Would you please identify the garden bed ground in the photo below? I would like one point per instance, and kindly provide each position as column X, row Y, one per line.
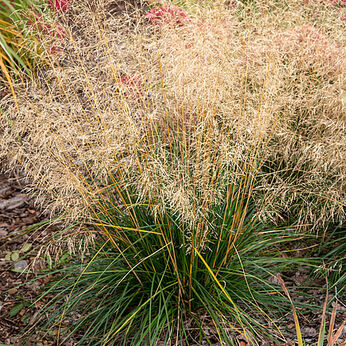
column 18, row 245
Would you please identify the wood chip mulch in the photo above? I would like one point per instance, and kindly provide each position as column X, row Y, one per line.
column 20, row 268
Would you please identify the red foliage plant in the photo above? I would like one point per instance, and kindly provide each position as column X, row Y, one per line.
column 52, row 33
column 167, row 15
column 60, row 5
column 133, row 84
column 47, row 29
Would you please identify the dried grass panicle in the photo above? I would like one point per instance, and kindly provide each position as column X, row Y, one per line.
column 213, row 98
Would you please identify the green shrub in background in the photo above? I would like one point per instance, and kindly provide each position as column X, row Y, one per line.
column 17, row 50
column 23, row 24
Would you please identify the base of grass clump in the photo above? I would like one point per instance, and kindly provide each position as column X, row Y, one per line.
column 149, row 280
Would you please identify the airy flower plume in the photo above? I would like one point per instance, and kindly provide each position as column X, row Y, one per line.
column 209, row 94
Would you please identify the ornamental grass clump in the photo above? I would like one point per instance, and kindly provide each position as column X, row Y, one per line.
column 173, row 144
column 156, row 279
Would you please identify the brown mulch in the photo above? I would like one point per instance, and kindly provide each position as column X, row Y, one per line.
column 20, row 266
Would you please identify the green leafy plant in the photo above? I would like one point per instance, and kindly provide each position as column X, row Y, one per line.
column 16, row 50
column 21, row 24
column 332, row 249
column 154, row 278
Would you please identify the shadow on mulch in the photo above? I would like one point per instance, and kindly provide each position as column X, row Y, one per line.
column 20, row 265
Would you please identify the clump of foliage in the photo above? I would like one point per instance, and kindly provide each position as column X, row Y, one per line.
column 15, row 49
column 18, row 48
column 194, row 146
column 24, row 27
column 154, row 278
